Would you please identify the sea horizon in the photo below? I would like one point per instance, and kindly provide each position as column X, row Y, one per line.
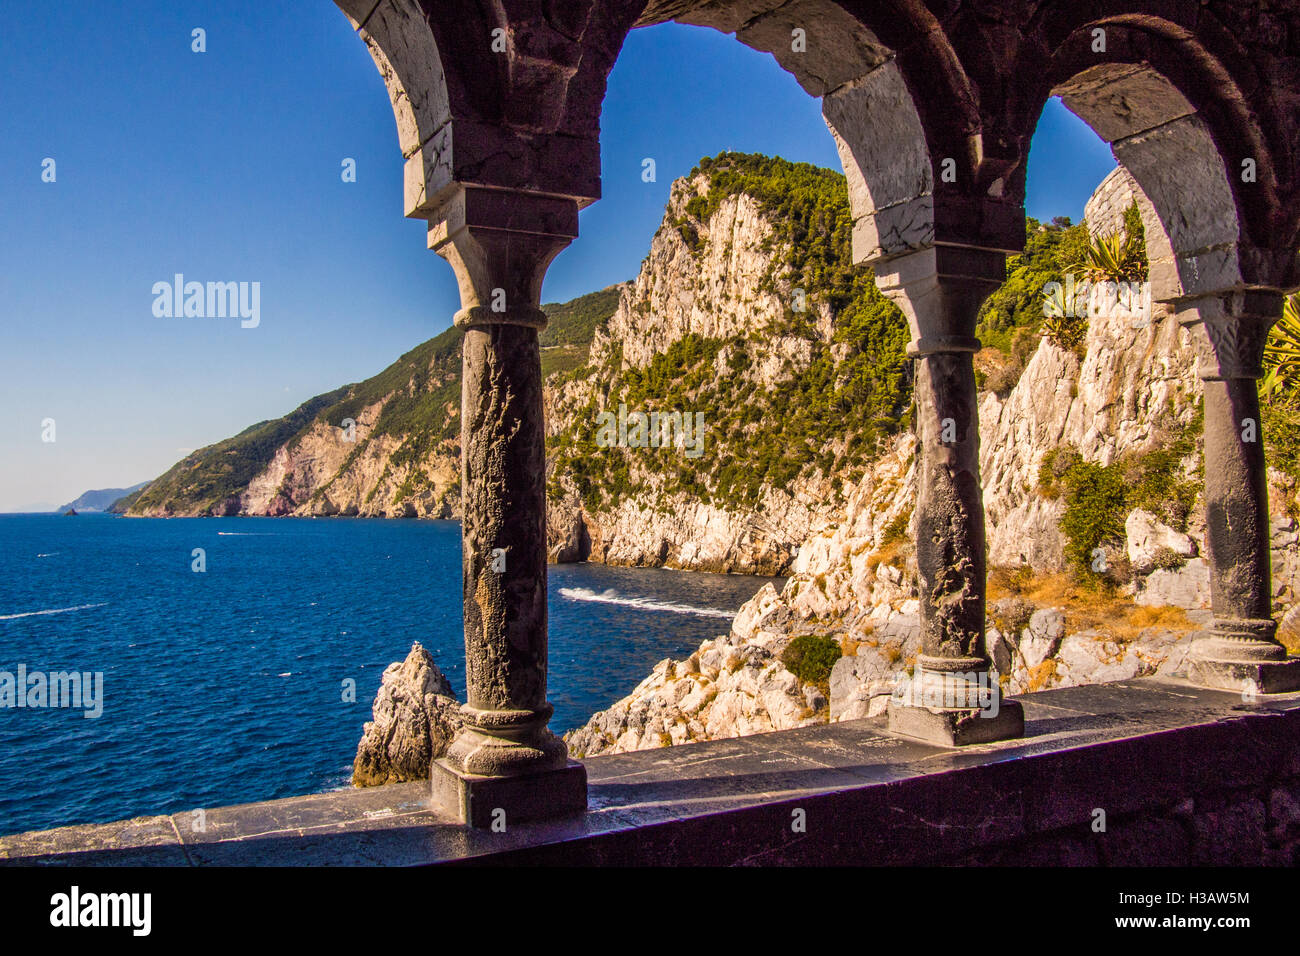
column 225, row 649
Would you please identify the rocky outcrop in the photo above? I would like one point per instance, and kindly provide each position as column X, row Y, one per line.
column 727, row 279
column 416, row 715
column 1045, row 653
column 1150, row 541
column 729, row 687
column 1134, row 385
column 1131, row 389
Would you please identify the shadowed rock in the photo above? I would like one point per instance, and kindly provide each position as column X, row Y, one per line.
column 416, row 716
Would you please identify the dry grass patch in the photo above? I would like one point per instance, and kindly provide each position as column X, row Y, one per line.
column 1041, row 675
column 1140, row 617
column 1086, row 606
column 894, row 553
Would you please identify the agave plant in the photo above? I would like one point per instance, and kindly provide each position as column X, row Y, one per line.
column 1061, row 324
column 1055, row 301
column 1117, row 257
column 1282, row 355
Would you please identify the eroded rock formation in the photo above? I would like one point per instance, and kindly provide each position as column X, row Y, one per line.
column 416, row 715
column 726, row 277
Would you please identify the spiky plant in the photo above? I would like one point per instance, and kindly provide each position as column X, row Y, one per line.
column 1282, row 355
column 1117, row 257
column 1065, row 329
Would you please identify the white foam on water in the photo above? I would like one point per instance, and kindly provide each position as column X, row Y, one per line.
column 610, row 596
column 53, row 610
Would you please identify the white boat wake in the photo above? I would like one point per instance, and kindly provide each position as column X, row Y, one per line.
column 53, row 610
column 611, row 596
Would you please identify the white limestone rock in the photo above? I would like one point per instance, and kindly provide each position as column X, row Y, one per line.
column 861, row 685
column 729, row 687
column 1187, row 587
column 1148, row 537
column 852, row 576
column 734, row 282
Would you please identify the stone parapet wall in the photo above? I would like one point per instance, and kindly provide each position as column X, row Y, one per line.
column 1180, row 775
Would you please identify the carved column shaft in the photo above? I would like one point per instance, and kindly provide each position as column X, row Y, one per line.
column 1242, row 649
column 1236, row 501
column 503, row 468
column 500, row 245
column 949, row 511
column 954, row 698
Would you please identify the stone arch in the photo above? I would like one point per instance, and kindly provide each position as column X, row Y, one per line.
column 867, row 102
column 406, row 55
column 493, row 94
column 1186, row 123
column 1156, row 134
column 1183, row 111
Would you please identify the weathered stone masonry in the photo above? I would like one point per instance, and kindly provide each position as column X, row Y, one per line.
column 932, row 106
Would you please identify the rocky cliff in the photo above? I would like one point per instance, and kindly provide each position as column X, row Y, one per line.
column 416, row 716
column 748, row 319
column 775, row 366
column 854, row 579
column 1090, row 460
column 387, row 447
column 1091, row 455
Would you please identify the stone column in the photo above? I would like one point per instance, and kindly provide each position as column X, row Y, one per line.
column 1241, row 651
column 505, row 765
column 954, row 697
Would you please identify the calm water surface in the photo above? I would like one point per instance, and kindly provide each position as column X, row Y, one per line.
column 227, row 686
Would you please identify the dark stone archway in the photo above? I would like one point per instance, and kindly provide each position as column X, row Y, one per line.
column 498, row 106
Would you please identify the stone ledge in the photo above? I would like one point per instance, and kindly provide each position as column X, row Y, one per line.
column 1142, row 750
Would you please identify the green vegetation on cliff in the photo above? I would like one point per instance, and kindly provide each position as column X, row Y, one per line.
column 1013, row 317
column 203, row 480
column 419, row 396
column 1098, row 498
column 566, row 340
column 811, row 658
column 1280, row 393
column 1051, row 251
column 829, row 413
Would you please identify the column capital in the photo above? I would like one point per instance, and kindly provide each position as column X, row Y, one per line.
column 500, row 243
column 940, row 289
column 1229, row 330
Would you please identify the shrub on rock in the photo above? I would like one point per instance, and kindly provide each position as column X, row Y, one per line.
column 810, row 657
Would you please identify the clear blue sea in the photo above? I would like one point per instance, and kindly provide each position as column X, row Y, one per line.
column 226, row 686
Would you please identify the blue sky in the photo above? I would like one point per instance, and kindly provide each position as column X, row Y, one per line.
column 225, row 165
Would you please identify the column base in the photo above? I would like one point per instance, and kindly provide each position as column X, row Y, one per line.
column 954, row 702
column 474, row 800
column 956, row 727
column 1243, row 655
column 1259, row 677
